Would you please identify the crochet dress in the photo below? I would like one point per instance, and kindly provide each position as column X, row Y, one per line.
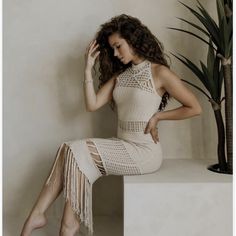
column 130, row 153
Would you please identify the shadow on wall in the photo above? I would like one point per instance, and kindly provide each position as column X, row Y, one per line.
column 70, row 89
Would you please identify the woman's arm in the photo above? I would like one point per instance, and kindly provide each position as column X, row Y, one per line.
column 166, row 80
column 94, row 101
column 171, row 83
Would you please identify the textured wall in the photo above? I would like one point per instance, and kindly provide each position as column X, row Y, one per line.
column 44, row 44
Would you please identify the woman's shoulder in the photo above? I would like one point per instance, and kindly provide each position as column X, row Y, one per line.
column 161, row 72
column 159, row 69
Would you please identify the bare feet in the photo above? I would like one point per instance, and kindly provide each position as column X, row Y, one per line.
column 69, row 230
column 34, row 221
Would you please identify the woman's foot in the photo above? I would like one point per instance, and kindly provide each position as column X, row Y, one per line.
column 69, row 229
column 34, row 221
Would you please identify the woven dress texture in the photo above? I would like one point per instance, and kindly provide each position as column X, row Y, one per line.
column 131, row 152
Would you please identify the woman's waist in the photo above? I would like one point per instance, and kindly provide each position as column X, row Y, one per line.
column 135, row 126
column 136, row 137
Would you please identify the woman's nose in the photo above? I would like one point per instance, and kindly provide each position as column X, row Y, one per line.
column 115, row 53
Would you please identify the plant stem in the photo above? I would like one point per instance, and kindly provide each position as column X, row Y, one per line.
column 221, row 135
column 228, row 114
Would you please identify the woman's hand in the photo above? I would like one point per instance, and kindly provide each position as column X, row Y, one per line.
column 91, row 55
column 152, row 128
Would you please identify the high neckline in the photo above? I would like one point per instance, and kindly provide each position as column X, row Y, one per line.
column 138, row 67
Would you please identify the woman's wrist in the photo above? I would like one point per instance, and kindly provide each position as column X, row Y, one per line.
column 88, row 76
column 87, row 81
column 157, row 116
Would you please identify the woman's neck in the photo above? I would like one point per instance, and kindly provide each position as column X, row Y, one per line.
column 138, row 60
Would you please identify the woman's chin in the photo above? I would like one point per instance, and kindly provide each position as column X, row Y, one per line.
column 124, row 62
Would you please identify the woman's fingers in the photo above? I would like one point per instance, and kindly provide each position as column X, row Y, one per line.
column 91, row 54
column 147, row 129
column 154, row 135
column 93, row 45
column 92, row 50
column 153, row 132
column 90, row 46
column 96, row 55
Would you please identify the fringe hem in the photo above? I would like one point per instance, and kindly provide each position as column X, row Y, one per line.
column 76, row 188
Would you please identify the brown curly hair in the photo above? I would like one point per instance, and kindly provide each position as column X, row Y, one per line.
column 139, row 37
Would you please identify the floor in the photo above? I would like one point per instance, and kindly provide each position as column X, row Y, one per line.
column 103, row 226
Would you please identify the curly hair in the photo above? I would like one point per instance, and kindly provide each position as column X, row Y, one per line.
column 139, row 37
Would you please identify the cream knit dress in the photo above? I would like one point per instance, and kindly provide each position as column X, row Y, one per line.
column 130, row 153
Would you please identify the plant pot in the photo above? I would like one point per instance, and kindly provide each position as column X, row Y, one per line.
column 216, row 168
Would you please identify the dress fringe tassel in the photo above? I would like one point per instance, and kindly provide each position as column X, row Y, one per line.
column 76, row 187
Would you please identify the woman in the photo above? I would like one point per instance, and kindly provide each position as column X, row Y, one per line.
column 135, row 78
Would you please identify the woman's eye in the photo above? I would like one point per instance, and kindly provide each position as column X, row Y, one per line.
column 118, row 46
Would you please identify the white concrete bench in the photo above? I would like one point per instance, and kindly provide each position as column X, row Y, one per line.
column 183, row 198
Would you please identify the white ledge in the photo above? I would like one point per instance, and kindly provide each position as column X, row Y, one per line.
column 182, row 198
column 181, row 171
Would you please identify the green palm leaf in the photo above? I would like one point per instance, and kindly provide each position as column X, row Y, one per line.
column 194, row 69
column 207, row 24
column 216, row 77
column 208, row 17
column 210, row 59
column 188, row 32
column 228, row 51
column 230, row 26
column 229, row 32
column 222, row 35
column 207, row 74
column 220, row 10
column 225, row 28
column 195, row 26
column 195, row 86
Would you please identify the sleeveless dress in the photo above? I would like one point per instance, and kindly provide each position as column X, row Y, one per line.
column 130, row 153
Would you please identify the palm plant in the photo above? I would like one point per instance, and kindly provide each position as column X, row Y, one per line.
column 217, row 71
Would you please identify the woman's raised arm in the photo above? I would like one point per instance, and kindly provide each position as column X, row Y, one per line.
column 94, row 101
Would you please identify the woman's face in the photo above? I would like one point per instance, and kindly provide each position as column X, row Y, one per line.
column 121, row 48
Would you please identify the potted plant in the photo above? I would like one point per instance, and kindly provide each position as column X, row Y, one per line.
column 216, row 72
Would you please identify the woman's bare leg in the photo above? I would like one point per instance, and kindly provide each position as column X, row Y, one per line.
column 96, row 157
column 49, row 193
column 70, row 223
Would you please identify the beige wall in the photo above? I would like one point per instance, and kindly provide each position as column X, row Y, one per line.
column 44, row 43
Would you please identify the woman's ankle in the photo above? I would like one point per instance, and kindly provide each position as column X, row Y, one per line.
column 37, row 211
column 70, row 224
column 69, row 228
